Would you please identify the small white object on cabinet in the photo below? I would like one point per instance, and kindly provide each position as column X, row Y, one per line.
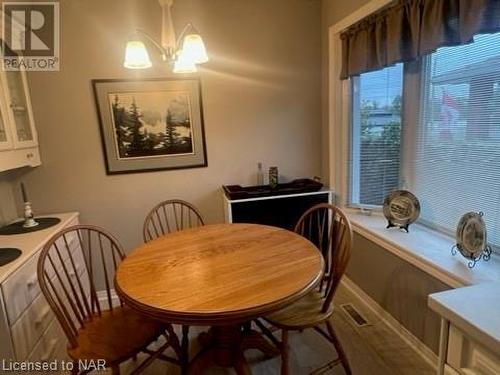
column 18, row 136
column 27, row 323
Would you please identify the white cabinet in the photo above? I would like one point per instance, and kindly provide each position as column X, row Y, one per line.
column 18, row 137
column 15, row 86
column 467, row 356
column 6, row 141
column 28, row 327
column 470, row 329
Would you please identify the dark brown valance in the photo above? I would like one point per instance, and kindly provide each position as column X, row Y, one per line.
column 408, row 29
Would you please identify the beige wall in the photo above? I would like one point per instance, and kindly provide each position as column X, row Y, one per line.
column 8, row 209
column 332, row 11
column 397, row 286
column 261, row 98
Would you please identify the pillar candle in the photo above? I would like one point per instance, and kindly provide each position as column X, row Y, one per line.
column 23, row 191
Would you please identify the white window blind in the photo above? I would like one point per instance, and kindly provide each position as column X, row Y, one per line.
column 457, row 156
column 442, row 142
column 375, row 135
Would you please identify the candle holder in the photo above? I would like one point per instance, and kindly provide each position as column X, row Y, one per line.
column 29, row 217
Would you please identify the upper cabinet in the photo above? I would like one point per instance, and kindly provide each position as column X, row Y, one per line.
column 6, row 142
column 18, row 137
column 19, row 110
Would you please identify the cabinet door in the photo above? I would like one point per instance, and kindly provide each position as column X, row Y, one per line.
column 6, row 142
column 19, row 108
column 469, row 357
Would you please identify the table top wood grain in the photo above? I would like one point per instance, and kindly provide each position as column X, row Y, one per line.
column 217, row 274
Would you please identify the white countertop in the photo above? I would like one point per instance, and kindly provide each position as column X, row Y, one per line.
column 475, row 310
column 30, row 243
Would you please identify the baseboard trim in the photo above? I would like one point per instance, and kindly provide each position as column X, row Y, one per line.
column 418, row 346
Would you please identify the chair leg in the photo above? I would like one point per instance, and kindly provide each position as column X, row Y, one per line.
column 172, row 338
column 247, row 326
column 241, row 365
column 284, row 352
column 185, row 348
column 338, row 348
column 115, row 370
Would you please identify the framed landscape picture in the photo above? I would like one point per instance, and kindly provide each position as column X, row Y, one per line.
column 150, row 124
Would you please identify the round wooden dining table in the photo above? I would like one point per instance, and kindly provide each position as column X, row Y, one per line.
column 222, row 276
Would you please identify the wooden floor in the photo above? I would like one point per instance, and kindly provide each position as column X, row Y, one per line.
column 371, row 350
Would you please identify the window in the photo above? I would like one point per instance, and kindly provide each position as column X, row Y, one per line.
column 376, row 134
column 441, row 141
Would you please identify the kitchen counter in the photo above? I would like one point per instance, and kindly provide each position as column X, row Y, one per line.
column 474, row 309
column 30, row 243
column 470, row 329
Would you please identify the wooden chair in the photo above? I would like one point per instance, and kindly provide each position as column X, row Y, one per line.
column 329, row 229
column 97, row 324
column 171, row 216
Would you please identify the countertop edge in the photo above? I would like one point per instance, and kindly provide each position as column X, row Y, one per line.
column 27, row 252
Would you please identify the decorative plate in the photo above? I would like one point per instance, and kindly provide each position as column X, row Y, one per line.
column 471, row 235
column 401, row 208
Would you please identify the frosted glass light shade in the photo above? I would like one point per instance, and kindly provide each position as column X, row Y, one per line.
column 194, row 48
column 136, row 55
column 184, row 64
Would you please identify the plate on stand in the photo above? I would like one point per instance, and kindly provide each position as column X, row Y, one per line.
column 471, row 240
column 401, row 208
column 471, row 235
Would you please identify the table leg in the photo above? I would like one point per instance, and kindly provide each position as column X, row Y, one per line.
column 443, row 345
column 225, row 345
column 255, row 340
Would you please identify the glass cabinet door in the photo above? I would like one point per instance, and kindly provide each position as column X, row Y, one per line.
column 5, row 135
column 20, row 109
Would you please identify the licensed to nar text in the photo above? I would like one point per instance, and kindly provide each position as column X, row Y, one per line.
column 55, row 365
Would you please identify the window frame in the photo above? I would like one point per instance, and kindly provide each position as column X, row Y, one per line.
column 414, row 94
column 336, row 168
column 339, row 122
column 352, row 164
column 415, row 73
column 336, row 128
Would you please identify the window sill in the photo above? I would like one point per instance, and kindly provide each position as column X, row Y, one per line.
column 426, row 249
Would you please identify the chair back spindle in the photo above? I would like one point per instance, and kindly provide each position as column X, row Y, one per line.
column 71, row 267
column 170, row 216
column 327, row 227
